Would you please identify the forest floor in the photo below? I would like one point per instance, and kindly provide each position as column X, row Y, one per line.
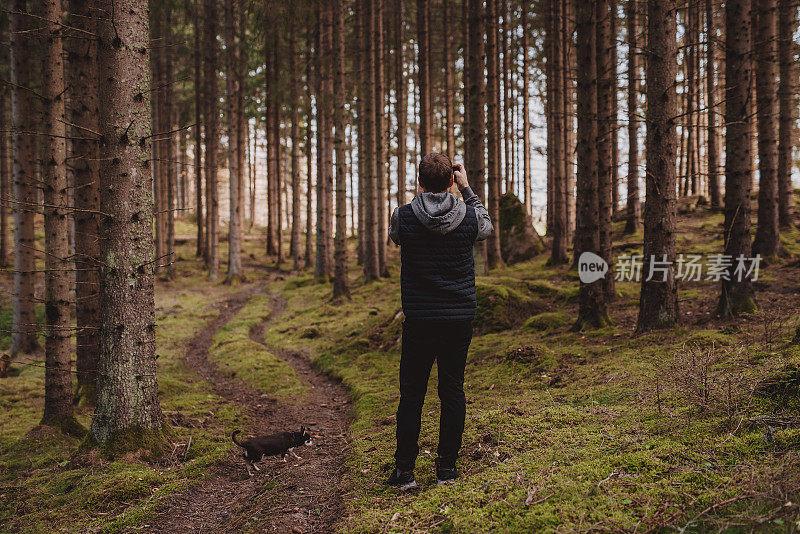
column 692, row 429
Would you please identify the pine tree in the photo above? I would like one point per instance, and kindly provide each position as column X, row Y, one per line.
column 494, row 257
column 555, row 159
column 371, row 265
column 380, row 136
column 424, row 77
column 23, row 335
column 787, row 25
column 294, row 102
column 83, row 75
column 658, row 303
column 400, row 102
column 633, row 206
column 737, row 293
column 340, row 283
column 592, row 306
column 767, row 238
column 234, row 180
column 199, row 98
column 127, row 411
column 606, row 123
column 526, row 112
column 57, row 280
column 212, row 137
column 711, row 98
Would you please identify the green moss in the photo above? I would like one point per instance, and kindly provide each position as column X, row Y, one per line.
column 501, row 307
column 548, row 321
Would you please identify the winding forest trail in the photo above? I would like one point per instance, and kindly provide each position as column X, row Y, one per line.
column 300, row 496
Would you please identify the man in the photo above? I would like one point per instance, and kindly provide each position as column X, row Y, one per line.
column 436, row 233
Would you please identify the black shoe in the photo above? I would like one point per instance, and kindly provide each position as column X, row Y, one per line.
column 402, row 480
column 445, row 474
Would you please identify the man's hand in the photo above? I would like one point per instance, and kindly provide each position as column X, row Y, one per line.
column 460, row 176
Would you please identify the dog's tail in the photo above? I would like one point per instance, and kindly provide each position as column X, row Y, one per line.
column 233, row 437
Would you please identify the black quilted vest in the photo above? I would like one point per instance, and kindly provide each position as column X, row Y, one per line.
column 437, row 274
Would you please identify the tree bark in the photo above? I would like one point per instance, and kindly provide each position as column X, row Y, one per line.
column 787, row 24
column 424, row 76
column 401, row 101
column 212, row 138
column 633, row 207
column 592, row 306
column 341, row 286
column 737, row 296
column 127, row 411
column 381, row 172
column 658, row 303
column 448, row 79
column 23, row 335
column 234, row 274
column 371, row 263
column 294, row 102
column 83, row 76
column 526, row 112
column 168, row 140
column 711, row 92
column 606, row 88
column 555, row 159
column 494, row 258
column 199, row 98
column 57, row 281
column 767, row 239
column 309, row 171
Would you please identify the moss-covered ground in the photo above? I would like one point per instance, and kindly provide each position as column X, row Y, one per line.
column 566, row 432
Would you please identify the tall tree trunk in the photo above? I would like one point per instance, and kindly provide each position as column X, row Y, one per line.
column 5, row 175
column 401, row 102
column 424, row 77
column 449, row 112
column 212, row 138
column 231, row 61
column 340, row 283
column 526, row 113
column 592, row 306
column 508, row 138
column 606, row 88
column 371, row 263
column 127, row 411
column 711, row 91
column 381, row 171
column 169, row 145
column 787, row 24
column 199, row 99
column 633, row 206
column 767, row 240
column 555, row 159
column 476, row 103
column 322, row 269
column 309, row 171
column 737, row 293
column 57, row 281
column 327, row 79
column 613, row 127
column 658, row 303
column 493, row 132
column 567, row 30
column 83, row 76
column 23, row 335
column 294, row 102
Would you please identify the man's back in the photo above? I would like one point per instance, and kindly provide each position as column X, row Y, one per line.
column 437, row 277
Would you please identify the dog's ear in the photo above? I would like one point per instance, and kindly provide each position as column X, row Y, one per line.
column 302, row 429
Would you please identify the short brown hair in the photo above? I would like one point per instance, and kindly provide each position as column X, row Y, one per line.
column 435, row 171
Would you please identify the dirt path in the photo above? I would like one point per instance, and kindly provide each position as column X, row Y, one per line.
column 299, row 496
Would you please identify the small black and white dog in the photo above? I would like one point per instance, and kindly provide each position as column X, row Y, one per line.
column 255, row 449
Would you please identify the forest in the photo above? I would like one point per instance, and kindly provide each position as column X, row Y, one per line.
column 200, row 202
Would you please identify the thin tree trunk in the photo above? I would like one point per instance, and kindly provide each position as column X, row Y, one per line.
column 401, row 102
column 340, row 283
column 613, row 127
column 767, row 239
column 476, row 137
column 380, row 136
column 606, row 87
column 309, row 170
column 737, row 293
column 169, row 145
column 424, row 77
column 199, row 98
column 4, row 176
column 633, row 206
column 494, row 256
column 713, row 146
column 567, row 30
column 234, row 274
column 23, row 335
column 592, row 306
column 294, row 102
column 526, row 113
column 57, row 281
column 448, row 79
column 658, row 303
column 127, row 411
column 555, row 159
column 787, row 24
column 371, row 263
column 212, row 138
column 83, row 71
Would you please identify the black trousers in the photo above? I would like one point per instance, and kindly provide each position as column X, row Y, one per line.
column 423, row 341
